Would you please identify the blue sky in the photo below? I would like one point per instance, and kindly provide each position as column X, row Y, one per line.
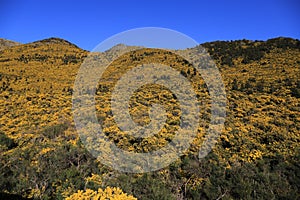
column 87, row 23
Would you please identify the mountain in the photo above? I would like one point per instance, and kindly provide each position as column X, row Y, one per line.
column 256, row 156
column 4, row 44
column 53, row 40
column 52, row 50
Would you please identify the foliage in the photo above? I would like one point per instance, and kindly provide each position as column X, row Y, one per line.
column 6, row 142
column 107, row 193
column 256, row 157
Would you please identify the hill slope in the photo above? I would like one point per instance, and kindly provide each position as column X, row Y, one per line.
column 4, row 44
column 256, row 157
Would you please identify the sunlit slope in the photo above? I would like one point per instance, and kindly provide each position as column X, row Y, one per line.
column 37, row 130
column 37, row 82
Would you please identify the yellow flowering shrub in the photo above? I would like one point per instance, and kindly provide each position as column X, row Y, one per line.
column 109, row 193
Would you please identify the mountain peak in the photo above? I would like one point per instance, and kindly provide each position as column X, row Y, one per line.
column 118, row 47
column 55, row 40
column 121, row 48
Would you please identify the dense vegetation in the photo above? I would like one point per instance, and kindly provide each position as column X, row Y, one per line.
column 257, row 155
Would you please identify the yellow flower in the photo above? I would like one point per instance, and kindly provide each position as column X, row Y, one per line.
column 110, row 193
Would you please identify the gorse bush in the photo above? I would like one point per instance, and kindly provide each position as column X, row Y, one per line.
column 256, row 155
column 107, row 193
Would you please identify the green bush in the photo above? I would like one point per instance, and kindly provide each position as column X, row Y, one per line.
column 54, row 131
column 6, row 142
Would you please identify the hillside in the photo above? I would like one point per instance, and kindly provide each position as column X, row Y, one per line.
column 256, row 156
column 4, row 44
